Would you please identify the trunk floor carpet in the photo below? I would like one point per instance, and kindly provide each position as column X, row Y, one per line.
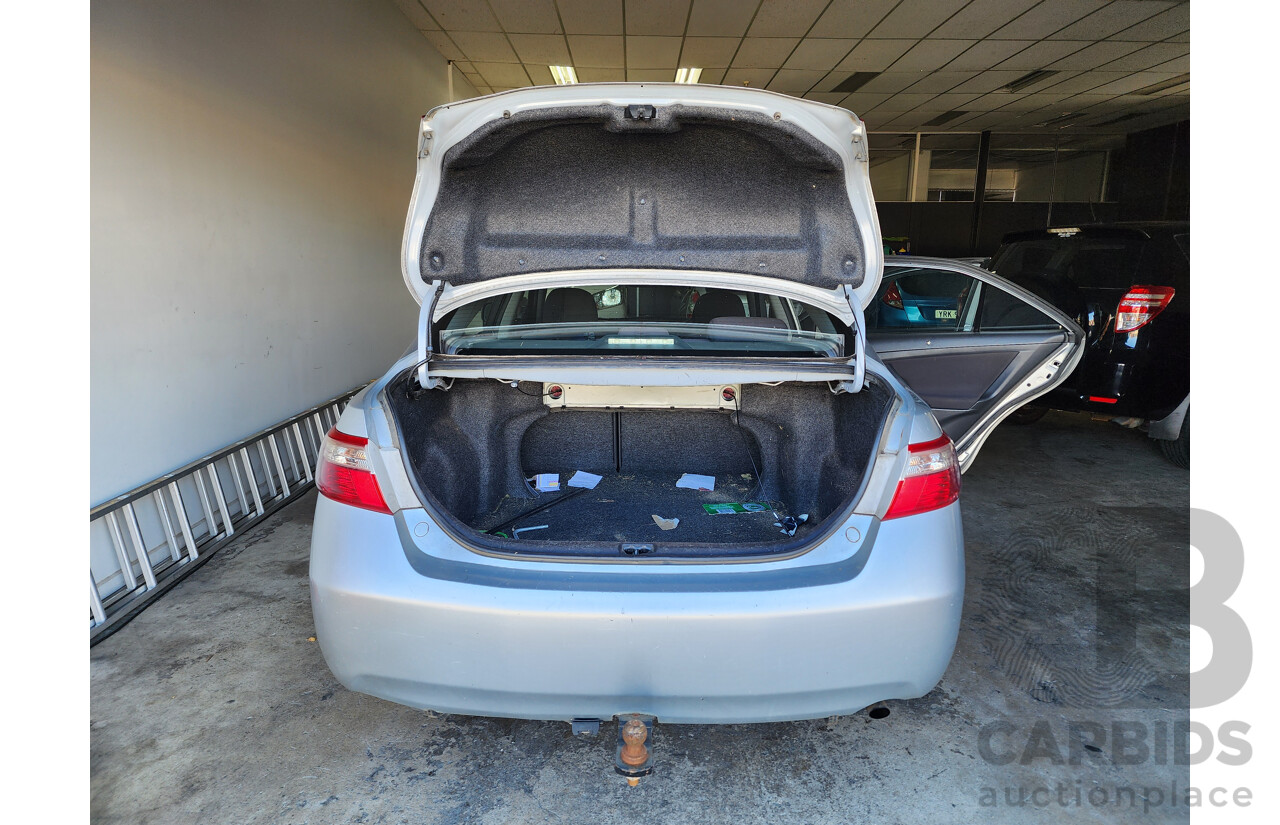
column 620, row 508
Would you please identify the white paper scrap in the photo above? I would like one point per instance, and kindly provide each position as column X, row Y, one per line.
column 665, row 523
column 546, row 482
column 693, row 481
column 584, row 479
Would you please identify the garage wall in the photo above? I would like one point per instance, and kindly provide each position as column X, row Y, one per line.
column 251, row 167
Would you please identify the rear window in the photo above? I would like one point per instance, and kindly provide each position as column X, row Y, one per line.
column 615, row 319
column 1084, row 260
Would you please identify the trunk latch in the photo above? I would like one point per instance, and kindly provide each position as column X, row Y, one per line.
column 641, row 111
column 636, row 549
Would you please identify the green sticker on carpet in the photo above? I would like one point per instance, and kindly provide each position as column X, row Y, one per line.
column 734, row 507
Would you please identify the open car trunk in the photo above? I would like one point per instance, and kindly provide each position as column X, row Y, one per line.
column 797, row 448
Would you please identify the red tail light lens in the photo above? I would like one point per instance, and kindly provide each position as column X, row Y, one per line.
column 344, row 473
column 893, row 297
column 1140, row 304
column 930, row 481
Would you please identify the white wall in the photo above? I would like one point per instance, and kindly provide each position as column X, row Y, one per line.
column 251, row 168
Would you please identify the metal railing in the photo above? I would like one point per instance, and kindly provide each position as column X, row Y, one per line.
column 145, row 541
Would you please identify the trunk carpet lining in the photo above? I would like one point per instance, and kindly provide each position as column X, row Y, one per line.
column 621, row 507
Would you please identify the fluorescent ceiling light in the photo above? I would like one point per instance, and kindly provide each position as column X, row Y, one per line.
column 564, row 75
column 688, row 75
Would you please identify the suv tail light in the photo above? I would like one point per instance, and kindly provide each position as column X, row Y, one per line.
column 344, row 473
column 1140, row 304
column 930, row 481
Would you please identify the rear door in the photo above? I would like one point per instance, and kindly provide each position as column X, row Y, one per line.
column 973, row 346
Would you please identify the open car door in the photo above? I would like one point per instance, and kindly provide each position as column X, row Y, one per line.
column 972, row 345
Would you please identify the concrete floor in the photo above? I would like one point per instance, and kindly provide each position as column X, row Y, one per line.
column 214, row 706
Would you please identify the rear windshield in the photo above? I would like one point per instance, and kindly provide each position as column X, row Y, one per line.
column 612, row 319
column 1086, row 261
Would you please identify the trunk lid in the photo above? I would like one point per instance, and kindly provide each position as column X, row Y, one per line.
column 681, row 179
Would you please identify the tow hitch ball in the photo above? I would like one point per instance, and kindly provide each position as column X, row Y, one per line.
column 634, row 757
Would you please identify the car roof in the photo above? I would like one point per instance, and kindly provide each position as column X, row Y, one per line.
column 1141, row 229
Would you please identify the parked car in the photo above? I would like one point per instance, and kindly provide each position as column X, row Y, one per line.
column 732, row 235
column 1129, row 287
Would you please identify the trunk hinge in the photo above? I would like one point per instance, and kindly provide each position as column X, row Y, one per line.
column 858, row 363
column 424, row 337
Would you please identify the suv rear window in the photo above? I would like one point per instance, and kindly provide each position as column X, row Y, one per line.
column 1084, row 260
column 618, row 319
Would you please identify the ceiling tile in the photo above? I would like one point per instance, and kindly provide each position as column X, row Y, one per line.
column 527, row 16
column 541, row 75
column 1153, row 55
column 928, row 55
column 465, row 66
column 952, row 100
column 463, row 15
column 417, row 14
column 1085, row 82
column 987, row 53
column 874, row 55
column 599, row 75
column 1133, row 82
column 937, row 82
column 1181, row 64
column 503, row 74
column 657, row 17
column 785, row 18
column 916, row 18
column 712, row 75
column 764, row 52
column 485, row 47
column 795, row 80
column 988, row 81
column 645, row 52
column 903, row 102
column 1095, row 55
column 547, row 49
column 995, row 100
column 819, row 53
column 1112, row 18
column 830, row 98
column 720, row 18
column 891, row 81
column 1167, row 24
column 1047, row 18
column 596, row 50
column 708, row 51
column 591, row 16
column 757, row 78
column 444, row 45
column 862, row 101
column 981, row 17
column 651, row 75
column 851, row 18
column 1040, row 55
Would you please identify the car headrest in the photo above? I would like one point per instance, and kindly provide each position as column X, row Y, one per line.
column 569, row 305
column 717, row 303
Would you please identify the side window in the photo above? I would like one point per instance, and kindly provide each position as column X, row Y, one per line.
column 919, row 300
column 1000, row 310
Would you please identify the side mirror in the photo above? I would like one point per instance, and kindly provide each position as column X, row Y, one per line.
column 608, row 298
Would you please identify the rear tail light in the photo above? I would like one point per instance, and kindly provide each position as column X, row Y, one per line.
column 893, row 297
column 930, row 481
column 1140, row 304
column 344, row 473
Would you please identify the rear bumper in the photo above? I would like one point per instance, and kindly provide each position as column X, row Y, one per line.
column 684, row 643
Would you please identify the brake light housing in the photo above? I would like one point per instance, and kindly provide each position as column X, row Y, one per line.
column 892, row 297
column 1140, row 305
column 344, row 473
column 930, row 481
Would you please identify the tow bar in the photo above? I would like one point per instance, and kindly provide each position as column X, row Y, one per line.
column 634, row 757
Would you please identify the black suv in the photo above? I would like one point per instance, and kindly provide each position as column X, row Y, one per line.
column 1129, row 286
